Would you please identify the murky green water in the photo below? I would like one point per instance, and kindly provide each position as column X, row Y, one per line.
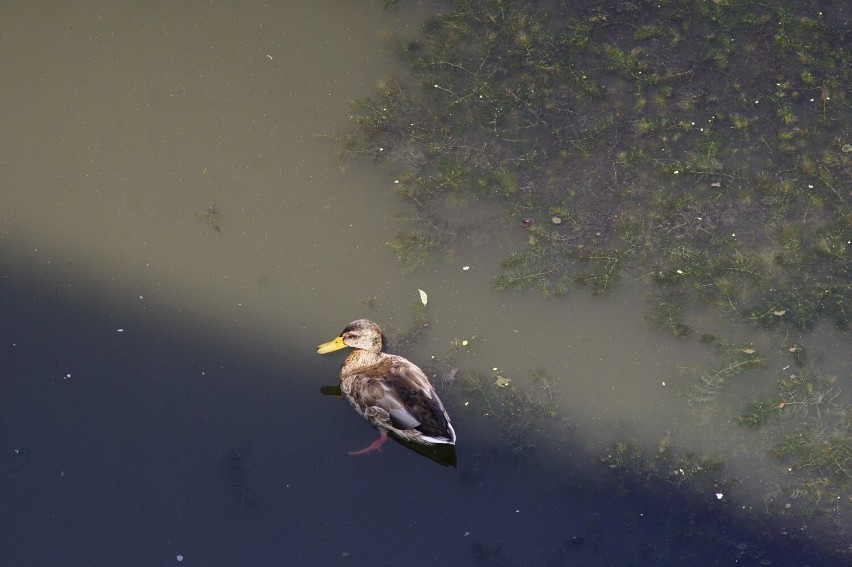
column 126, row 123
column 163, row 167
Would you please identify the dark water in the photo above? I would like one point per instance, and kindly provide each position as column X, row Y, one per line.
column 166, row 440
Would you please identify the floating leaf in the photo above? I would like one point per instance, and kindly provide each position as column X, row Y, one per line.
column 423, row 296
column 501, row 382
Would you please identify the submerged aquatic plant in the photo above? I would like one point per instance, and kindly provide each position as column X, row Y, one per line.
column 518, row 412
column 732, row 360
column 697, row 473
column 819, row 468
column 803, row 394
column 813, row 446
column 652, row 141
column 701, row 148
column 210, row 216
column 405, row 337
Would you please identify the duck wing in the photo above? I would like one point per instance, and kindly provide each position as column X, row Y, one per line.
column 401, row 389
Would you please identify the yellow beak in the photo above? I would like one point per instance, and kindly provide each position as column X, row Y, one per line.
column 331, row 346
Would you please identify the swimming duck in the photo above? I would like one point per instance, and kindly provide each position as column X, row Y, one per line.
column 389, row 391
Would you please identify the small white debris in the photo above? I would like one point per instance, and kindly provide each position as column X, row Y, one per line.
column 119, row 330
column 67, row 376
column 719, row 496
column 663, row 383
column 179, row 557
column 423, row 297
column 466, row 268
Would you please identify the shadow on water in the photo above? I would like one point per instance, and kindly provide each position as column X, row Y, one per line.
column 190, row 423
column 444, row 455
column 135, row 447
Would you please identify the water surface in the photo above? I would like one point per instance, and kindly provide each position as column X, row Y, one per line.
column 176, row 239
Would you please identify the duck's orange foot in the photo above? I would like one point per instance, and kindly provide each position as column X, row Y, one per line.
column 374, row 446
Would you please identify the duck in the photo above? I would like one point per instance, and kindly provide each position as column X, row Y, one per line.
column 389, row 391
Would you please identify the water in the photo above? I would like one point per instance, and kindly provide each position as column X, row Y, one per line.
column 177, row 239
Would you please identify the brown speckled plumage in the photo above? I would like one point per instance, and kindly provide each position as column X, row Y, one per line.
column 389, row 391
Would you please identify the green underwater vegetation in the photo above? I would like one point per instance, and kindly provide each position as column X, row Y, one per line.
column 518, row 413
column 731, row 361
column 700, row 148
column 211, row 217
column 696, row 145
column 813, row 438
column 683, row 469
